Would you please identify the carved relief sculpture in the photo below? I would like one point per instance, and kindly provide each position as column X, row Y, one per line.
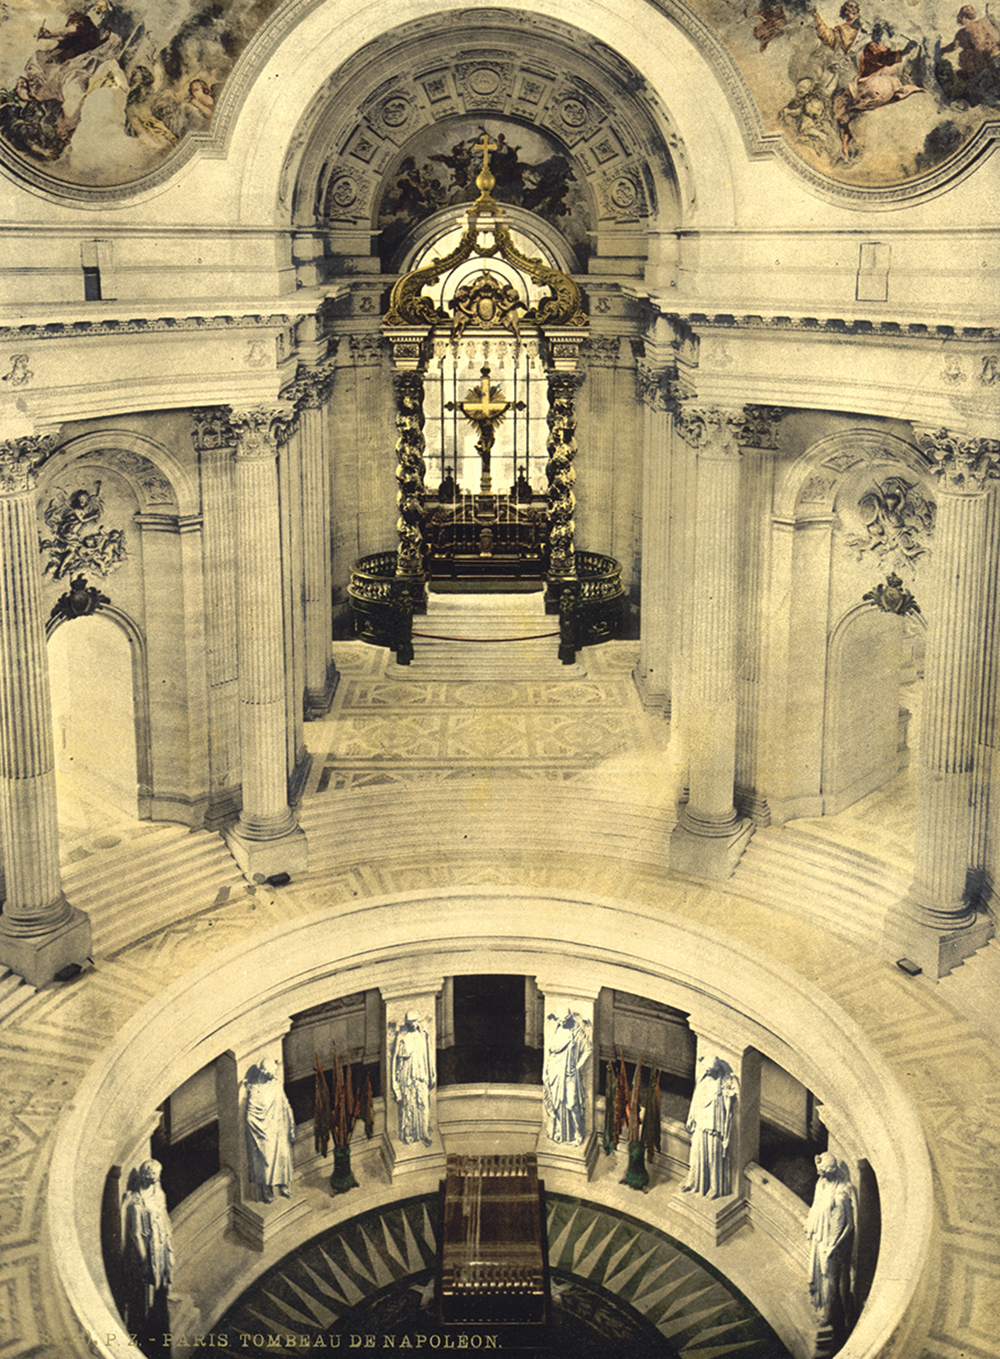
column 79, row 542
column 898, row 520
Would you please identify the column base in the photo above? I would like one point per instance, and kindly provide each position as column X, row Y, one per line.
column 653, row 698
column 39, row 958
column 319, row 701
column 935, row 951
column 707, row 1221
column 259, row 1223
column 408, row 1158
column 578, row 1160
column 703, row 849
column 288, row 853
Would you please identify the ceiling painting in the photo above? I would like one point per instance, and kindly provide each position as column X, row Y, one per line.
column 867, row 93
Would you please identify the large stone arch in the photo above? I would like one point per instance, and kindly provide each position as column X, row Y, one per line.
column 820, row 586
column 156, row 597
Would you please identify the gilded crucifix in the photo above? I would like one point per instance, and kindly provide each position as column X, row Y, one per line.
column 485, row 407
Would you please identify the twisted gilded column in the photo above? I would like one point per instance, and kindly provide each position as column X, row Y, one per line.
column 266, row 839
column 561, row 475
column 410, row 467
column 40, row 933
column 710, row 837
column 940, row 902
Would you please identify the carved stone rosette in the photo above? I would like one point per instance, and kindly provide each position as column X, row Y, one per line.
column 410, row 467
column 561, row 474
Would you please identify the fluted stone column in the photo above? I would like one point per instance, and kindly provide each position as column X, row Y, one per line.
column 266, row 839
column 213, row 441
column 321, row 672
column 940, row 924
column 40, row 932
column 710, row 836
column 652, row 674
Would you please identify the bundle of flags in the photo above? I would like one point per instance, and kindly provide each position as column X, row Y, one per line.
column 626, row 1111
column 335, row 1117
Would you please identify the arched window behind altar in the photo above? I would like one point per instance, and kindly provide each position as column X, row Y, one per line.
column 459, row 356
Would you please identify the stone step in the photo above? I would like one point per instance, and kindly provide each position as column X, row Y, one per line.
column 146, row 887
column 14, row 992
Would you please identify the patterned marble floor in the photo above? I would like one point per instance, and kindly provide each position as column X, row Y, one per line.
column 935, row 1038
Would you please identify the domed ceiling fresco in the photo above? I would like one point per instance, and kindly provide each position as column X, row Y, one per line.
column 867, row 93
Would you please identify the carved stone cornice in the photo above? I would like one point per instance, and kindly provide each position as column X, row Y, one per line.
column 760, row 428
column 712, row 430
column 259, row 430
column 835, row 325
column 212, row 429
column 19, row 459
column 963, row 466
column 59, row 330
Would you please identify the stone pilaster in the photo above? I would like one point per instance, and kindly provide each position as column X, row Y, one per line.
column 595, row 491
column 40, row 932
column 293, row 594
column 411, row 1140
column 568, row 1139
column 652, row 674
column 213, row 441
column 372, row 401
column 759, row 440
column 266, row 839
column 321, row 672
column 938, row 924
column 710, row 836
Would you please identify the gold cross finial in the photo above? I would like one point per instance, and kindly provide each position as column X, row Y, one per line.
column 485, row 181
column 486, row 146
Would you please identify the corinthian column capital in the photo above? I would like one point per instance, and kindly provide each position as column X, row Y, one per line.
column 711, row 430
column 18, row 460
column 259, row 430
column 962, row 465
column 654, row 385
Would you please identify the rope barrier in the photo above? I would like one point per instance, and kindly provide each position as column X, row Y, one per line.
column 437, row 637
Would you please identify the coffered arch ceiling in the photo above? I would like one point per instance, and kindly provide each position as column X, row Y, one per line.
column 599, row 149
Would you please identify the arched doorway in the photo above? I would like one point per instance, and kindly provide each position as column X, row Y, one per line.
column 94, row 717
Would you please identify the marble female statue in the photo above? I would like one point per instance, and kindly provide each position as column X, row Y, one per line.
column 567, row 1049
column 270, row 1128
column 413, row 1078
column 830, row 1228
column 711, row 1121
column 148, row 1251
